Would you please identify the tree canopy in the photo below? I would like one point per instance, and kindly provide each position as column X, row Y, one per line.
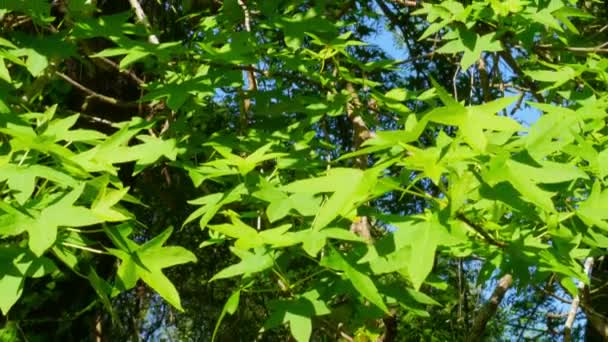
column 387, row 170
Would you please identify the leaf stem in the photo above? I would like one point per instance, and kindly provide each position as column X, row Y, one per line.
column 84, row 248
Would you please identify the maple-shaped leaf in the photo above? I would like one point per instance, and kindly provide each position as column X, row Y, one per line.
column 471, row 44
column 473, row 120
column 147, row 261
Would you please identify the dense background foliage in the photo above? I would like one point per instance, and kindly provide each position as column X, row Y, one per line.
column 264, row 170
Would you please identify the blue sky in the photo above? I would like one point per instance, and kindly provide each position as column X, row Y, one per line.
column 385, row 40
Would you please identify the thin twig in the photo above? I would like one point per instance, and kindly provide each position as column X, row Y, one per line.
column 94, row 94
column 597, row 49
column 480, row 230
column 84, row 248
column 561, row 299
column 127, row 72
column 517, row 104
column 556, row 315
column 455, row 88
column 517, row 70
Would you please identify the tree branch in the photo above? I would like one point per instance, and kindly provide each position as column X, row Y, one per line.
column 361, row 131
column 576, row 301
column 141, row 16
column 517, row 70
column 489, row 309
column 409, row 3
column 361, row 225
column 95, row 95
column 480, row 230
column 252, row 84
column 593, row 49
column 484, row 79
column 127, row 72
column 598, row 321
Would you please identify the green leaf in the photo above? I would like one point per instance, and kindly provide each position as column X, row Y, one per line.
column 300, row 327
column 132, row 56
column 297, row 313
column 43, row 230
column 211, row 204
column 361, row 282
column 103, row 290
column 349, row 186
column 4, row 73
column 229, row 307
column 147, row 262
column 23, row 179
column 423, row 238
column 162, row 285
column 502, row 169
column 473, row 120
column 336, row 179
column 545, row 17
column 36, row 63
column 594, row 210
column 473, row 45
column 15, row 265
column 556, row 77
column 551, row 132
column 258, row 261
column 103, row 206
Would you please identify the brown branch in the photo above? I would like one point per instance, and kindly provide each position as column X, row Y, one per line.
column 550, row 293
column 127, row 72
column 556, row 315
column 593, row 49
column 390, row 328
column 489, row 309
column 517, row 106
column 480, row 230
column 598, row 321
column 517, row 70
column 93, row 94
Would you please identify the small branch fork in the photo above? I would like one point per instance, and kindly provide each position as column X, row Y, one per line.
column 508, row 58
column 481, row 231
column 132, row 75
column 576, row 301
column 93, row 94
